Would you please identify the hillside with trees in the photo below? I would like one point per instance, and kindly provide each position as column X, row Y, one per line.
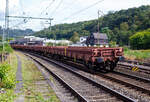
column 119, row 26
column 17, row 32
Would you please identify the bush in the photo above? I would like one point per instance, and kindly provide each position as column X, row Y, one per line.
column 125, row 48
column 8, row 96
column 136, row 54
column 140, row 40
column 7, row 77
column 4, row 68
column 7, row 48
column 112, row 44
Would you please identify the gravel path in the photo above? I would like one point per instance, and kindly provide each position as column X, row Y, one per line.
column 19, row 84
column 57, row 87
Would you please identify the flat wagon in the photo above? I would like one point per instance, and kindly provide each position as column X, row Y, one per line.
column 96, row 58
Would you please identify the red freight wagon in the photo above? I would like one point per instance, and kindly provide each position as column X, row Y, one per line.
column 93, row 57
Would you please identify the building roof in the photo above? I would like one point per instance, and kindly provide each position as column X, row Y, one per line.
column 83, row 36
column 100, row 36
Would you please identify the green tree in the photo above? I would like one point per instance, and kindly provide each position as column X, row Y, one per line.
column 124, row 26
column 112, row 44
column 124, row 33
column 75, row 37
column 109, row 33
column 140, row 40
column 0, row 38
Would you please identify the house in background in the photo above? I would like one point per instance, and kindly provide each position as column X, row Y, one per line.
column 32, row 40
column 83, row 39
column 29, row 40
column 99, row 39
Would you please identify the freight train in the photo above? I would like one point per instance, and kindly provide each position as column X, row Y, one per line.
column 95, row 58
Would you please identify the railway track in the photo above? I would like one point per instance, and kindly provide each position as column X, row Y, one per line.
column 61, row 88
column 129, row 83
column 86, row 89
column 137, row 62
column 142, row 67
column 137, row 84
column 127, row 68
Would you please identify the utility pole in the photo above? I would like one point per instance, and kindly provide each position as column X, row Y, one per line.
column 3, row 37
column 6, row 27
column 98, row 22
column 7, row 19
column 3, row 42
column 50, row 29
column 50, row 24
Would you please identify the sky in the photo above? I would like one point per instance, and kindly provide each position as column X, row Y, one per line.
column 62, row 11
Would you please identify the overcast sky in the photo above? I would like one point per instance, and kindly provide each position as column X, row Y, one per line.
column 62, row 11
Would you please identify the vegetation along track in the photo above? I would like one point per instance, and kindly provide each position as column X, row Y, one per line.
column 87, row 89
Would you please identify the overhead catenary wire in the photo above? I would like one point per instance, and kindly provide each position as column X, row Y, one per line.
column 57, row 7
column 21, row 7
column 25, row 18
column 68, row 7
column 22, row 12
column 20, row 23
column 75, row 13
column 47, row 7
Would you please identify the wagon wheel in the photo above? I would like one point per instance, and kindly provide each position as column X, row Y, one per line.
column 109, row 67
column 90, row 66
column 112, row 67
column 85, row 64
column 99, row 67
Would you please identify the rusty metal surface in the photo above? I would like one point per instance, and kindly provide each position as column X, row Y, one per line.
column 88, row 54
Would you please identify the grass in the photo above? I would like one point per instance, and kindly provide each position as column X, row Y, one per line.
column 32, row 90
column 136, row 54
column 9, row 95
column 7, row 48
